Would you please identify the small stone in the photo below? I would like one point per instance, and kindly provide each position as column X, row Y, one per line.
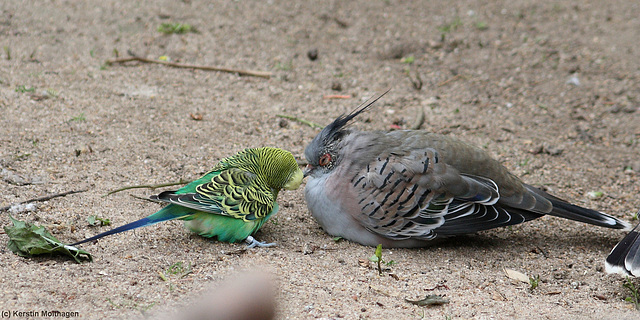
column 593, row 195
column 312, row 54
column 19, row 208
column 537, row 149
column 551, row 150
column 574, row 81
column 336, row 86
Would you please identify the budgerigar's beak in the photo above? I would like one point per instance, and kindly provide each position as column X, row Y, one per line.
column 307, row 170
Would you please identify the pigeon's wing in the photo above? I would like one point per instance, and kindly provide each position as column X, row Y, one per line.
column 416, row 195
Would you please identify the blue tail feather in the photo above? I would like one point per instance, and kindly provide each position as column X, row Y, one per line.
column 169, row 212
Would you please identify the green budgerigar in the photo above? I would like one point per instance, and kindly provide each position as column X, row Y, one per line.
column 230, row 202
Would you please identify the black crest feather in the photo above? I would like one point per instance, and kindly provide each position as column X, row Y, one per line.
column 334, row 129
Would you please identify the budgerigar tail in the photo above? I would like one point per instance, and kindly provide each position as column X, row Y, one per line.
column 169, row 212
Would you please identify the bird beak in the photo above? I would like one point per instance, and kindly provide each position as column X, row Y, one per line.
column 307, row 170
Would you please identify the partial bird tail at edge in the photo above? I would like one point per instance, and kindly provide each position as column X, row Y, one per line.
column 170, row 212
column 624, row 259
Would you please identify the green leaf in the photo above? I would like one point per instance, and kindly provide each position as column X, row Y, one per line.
column 377, row 256
column 595, row 194
column 408, row 60
column 23, row 89
column 94, row 220
column 179, row 28
column 27, row 240
column 481, row 25
column 534, row 282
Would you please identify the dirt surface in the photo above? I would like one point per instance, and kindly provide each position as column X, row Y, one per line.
column 551, row 90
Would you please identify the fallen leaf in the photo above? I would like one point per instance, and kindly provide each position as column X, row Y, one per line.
column 429, row 300
column 497, row 296
column 27, row 240
column 516, row 275
column 395, row 276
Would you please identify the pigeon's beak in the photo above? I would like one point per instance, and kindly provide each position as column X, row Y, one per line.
column 307, row 170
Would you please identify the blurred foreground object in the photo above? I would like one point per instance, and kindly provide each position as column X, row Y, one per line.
column 247, row 296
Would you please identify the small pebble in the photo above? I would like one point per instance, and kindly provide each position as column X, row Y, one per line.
column 312, row 54
column 593, row 195
column 574, row 81
column 19, row 208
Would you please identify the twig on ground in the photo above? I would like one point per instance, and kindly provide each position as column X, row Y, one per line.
column 419, row 119
column 456, row 77
column 336, row 96
column 261, row 74
column 143, row 198
column 148, row 186
column 45, row 198
column 417, row 82
column 309, row 123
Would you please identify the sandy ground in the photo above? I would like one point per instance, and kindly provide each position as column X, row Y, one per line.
column 551, row 90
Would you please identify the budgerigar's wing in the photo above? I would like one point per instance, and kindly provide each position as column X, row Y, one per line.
column 231, row 192
column 415, row 195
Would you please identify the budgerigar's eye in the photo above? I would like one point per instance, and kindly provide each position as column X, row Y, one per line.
column 324, row 160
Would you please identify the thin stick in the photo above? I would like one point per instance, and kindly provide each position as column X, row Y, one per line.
column 417, row 82
column 456, row 77
column 148, row 186
column 336, row 96
column 419, row 119
column 261, row 74
column 143, row 198
column 45, row 198
column 309, row 123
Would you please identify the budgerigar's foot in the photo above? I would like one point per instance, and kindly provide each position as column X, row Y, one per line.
column 252, row 242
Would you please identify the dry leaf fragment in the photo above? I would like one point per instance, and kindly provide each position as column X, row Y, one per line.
column 516, row 275
column 430, row 300
column 383, row 291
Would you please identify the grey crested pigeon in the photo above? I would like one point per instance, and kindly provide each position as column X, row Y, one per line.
column 405, row 188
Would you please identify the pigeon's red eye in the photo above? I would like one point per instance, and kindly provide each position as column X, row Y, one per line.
column 324, row 160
